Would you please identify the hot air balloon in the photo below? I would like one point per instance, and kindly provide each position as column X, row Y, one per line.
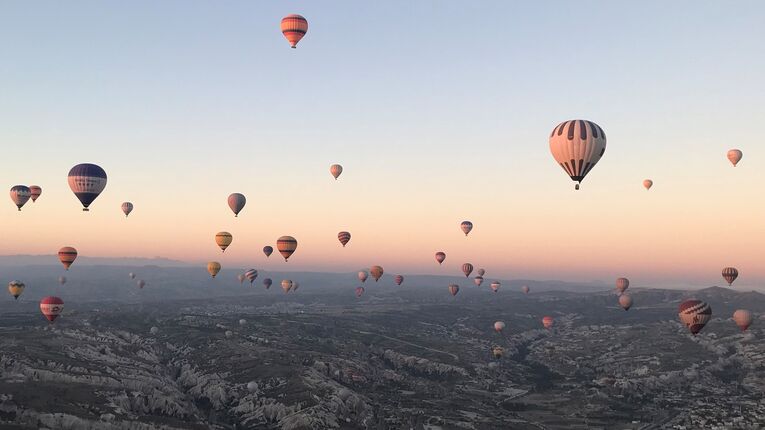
column 51, row 307
column 20, row 194
column 141, row 283
column 359, row 291
column 466, row 226
column 241, row 278
column 154, row 330
column 286, row 285
column 363, row 275
column 440, row 257
column 478, row 280
column 480, row 272
column 131, row 275
column 252, row 386
column 467, row 269
column 286, row 246
column 577, row 146
column 67, row 255
column 622, row 284
column 734, row 155
column 499, row 326
column 497, row 352
column 268, row 250
column 295, row 286
column 742, row 318
column 454, row 289
column 36, row 191
column 87, row 181
column 495, row 286
column 16, row 288
column 242, row 322
column 625, row 301
column 267, row 283
column 223, row 239
column 525, row 289
column 236, row 202
column 648, row 184
column 251, row 275
column 694, row 314
column 376, row 272
column 343, row 237
column 398, row 279
column 213, row 268
column 335, row 170
column 294, row 27
column 547, row 322
column 62, row 280
column 127, row 207
column 730, row 274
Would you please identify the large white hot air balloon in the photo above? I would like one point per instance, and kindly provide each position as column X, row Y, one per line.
column 577, row 145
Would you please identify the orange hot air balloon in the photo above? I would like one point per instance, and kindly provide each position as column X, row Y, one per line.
column 647, row 184
column 625, row 301
column 742, row 318
column 547, row 322
column 223, row 239
column 376, row 272
column 51, row 307
column 67, row 255
column 286, row 246
column 344, row 237
column 335, row 170
column 440, row 257
column 622, row 284
column 734, row 156
column 213, row 268
column 454, row 289
column 294, row 27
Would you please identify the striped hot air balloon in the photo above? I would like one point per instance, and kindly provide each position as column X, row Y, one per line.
column 495, row 286
column 213, row 268
column 478, row 280
column 87, row 181
column 223, row 239
column 236, row 202
column 251, row 275
column 67, row 255
column 467, row 269
column 267, row 283
column 625, row 302
column 51, row 307
column 695, row 314
column 734, row 156
column 398, row 279
column 20, row 194
column 268, row 250
column 359, row 291
column 16, row 288
column 286, row 285
column 466, row 226
column 454, row 289
column 376, row 272
column 647, row 183
column 440, row 257
column 742, row 318
column 622, row 284
column 344, row 237
column 336, row 170
column 127, row 207
column 36, row 191
column 363, row 275
column 577, row 145
column 729, row 274
column 286, row 246
column 547, row 322
column 294, row 27
column 499, row 326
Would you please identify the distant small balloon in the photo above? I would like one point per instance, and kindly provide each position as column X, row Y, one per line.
column 344, row 237
column 295, row 286
column 525, row 289
column 251, row 275
column 67, row 255
column 223, row 239
column 141, row 283
column 648, row 184
column 625, row 302
column 478, row 280
column 467, row 269
column 359, row 291
column 480, row 272
column 236, row 202
column 62, row 280
column 131, row 275
column 242, row 322
column 730, row 274
column 363, row 275
column 622, row 284
column 286, row 246
column 127, row 207
column 497, row 352
column 252, row 386
column 241, row 278
column 267, row 283
column 16, row 288
column 499, row 326
column 398, row 279
column 743, row 319
column 734, row 155
column 268, row 250
column 213, row 268
column 336, row 170
column 454, row 289
column 466, row 226
column 36, row 191
column 286, row 285
column 294, row 27
column 154, row 330
column 20, row 194
column 51, row 307
column 495, row 286
column 376, row 272
column 229, row 334
column 440, row 257
column 547, row 322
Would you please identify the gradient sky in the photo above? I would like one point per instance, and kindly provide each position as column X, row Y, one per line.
column 438, row 110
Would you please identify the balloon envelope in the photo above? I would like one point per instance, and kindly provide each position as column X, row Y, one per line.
column 398, row 279
column 268, row 250
column 127, row 207
column 648, row 184
column 466, row 227
column 734, row 156
column 141, row 283
column 376, row 272
column 51, row 307
column 695, row 314
column 267, row 283
column 236, row 202
column 478, row 280
column 344, row 237
column 730, row 274
column 363, row 275
column 359, row 291
column 223, row 239
column 467, row 269
column 742, row 318
column 87, row 181
column 213, row 268
column 499, row 326
column 495, row 286
column 454, row 289
column 62, row 280
column 622, row 284
column 440, row 257
column 625, row 301
column 20, row 194
column 286, row 246
column 36, row 191
column 547, row 322
column 294, row 27
column 480, row 272
column 251, row 275
column 577, row 145
column 16, row 288
column 67, row 255
column 525, row 289
column 335, row 170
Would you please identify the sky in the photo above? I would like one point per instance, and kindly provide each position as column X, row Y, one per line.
column 439, row 111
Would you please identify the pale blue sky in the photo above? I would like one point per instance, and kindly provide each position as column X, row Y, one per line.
column 439, row 110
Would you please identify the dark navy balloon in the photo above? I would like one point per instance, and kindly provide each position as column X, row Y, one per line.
column 87, row 181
